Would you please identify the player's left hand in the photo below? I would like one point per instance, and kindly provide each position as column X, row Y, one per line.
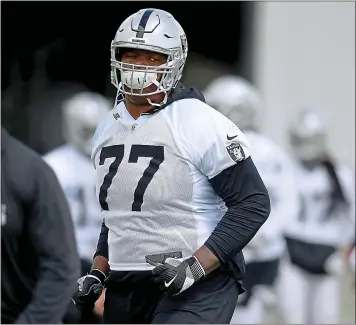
column 176, row 275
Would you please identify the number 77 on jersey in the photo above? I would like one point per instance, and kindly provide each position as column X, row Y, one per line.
column 136, row 151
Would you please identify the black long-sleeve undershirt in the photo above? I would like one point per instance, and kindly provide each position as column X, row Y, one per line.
column 247, row 200
column 102, row 248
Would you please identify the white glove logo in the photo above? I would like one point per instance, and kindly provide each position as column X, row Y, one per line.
column 170, row 282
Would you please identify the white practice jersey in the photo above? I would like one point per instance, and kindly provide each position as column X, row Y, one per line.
column 76, row 175
column 313, row 225
column 276, row 171
column 152, row 178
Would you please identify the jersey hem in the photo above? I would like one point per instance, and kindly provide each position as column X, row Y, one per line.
column 130, row 266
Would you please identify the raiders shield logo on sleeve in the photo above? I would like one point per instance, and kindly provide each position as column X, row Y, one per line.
column 236, row 152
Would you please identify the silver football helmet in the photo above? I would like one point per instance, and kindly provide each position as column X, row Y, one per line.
column 81, row 115
column 152, row 30
column 237, row 99
column 307, row 135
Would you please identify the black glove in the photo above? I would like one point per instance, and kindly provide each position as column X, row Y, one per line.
column 176, row 275
column 89, row 290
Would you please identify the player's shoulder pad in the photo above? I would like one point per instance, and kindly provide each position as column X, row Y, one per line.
column 194, row 115
column 108, row 119
column 202, row 130
column 194, row 107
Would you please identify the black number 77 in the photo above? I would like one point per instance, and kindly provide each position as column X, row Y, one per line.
column 117, row 151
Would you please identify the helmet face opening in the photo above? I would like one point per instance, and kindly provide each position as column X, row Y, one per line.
column 133, row 79
column 151, row 30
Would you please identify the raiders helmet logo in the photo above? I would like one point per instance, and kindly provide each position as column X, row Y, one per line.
column 236, row 152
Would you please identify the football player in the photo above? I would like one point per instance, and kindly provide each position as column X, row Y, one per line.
column 240, row 101
column 316, row 239
column 71, row 162
column 179, row 192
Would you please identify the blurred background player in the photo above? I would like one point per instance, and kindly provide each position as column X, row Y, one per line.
column 237, row 99
column 311, row 276
column 72, row 164
column 39, row 258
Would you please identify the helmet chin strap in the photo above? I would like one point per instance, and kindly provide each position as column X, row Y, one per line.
column 164, row 101
column 159, row 87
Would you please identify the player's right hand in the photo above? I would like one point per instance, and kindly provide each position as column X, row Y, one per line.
column 89, row 290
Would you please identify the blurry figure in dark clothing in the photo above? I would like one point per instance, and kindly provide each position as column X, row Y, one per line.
column 39, row 259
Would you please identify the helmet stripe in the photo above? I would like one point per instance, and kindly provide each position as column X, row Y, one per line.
column 143, row 23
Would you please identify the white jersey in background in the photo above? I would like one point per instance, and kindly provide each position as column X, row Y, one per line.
column 157, row 169
column 76, row 175
column 313, row 225
column 276, row 171
column 310, row 272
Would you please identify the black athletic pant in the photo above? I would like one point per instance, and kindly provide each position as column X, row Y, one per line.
column 133, row 298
